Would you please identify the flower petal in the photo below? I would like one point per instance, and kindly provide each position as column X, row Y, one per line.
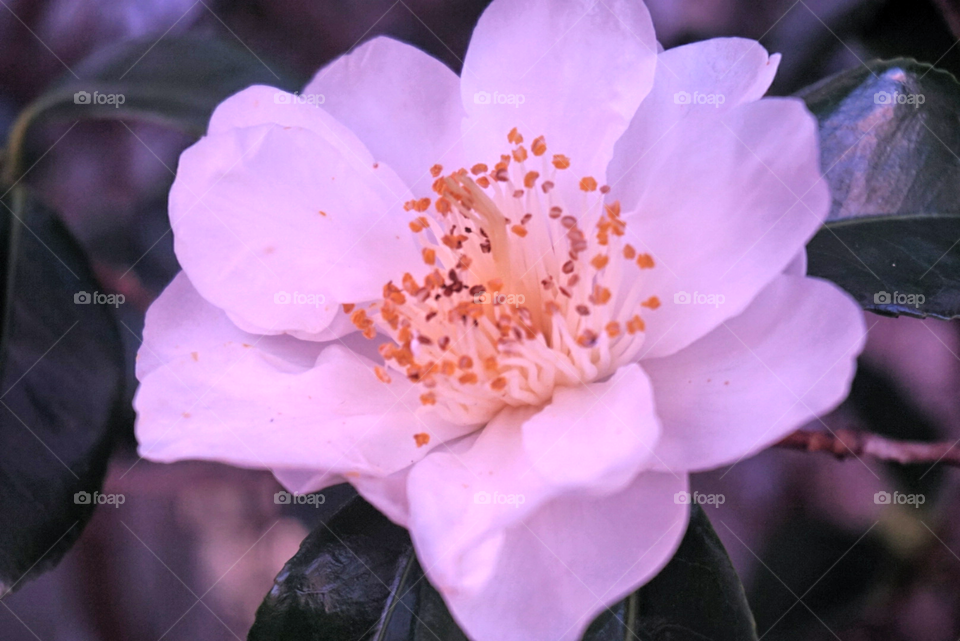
column 788, row 358
column 210, row 391
column 402, row 103
column 457, row 499
column 305, row 481
column 287, row 207
column 559, row 568
column 798, row 266
column 595, row 436
column 387, row 493
column 725, row 206
column 736, row 69
column 465, row 496
column 571, row 70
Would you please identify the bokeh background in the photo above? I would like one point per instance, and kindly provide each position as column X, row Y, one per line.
column 195, row 547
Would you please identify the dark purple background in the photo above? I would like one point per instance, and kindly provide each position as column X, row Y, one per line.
column 796, row 525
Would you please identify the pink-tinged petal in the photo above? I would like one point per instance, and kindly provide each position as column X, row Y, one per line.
column 595, row 436
column 304, row 481
column 210, row 391
column 798, row 266
column 290, row 208
column 403, row 104
column 725, row 206
column 387, row 493
column 788, row 358
column 263, row 105
column 728, row 71
column 574, row 71
column 465, row 497
column 339, row 326
column 559, row 568
column 458, row 500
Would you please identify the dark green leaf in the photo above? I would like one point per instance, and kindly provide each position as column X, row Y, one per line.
column 64, row 403
column 698, row 594
column 616, row 623
column 339, row 583
column 61, row 392
column 894, row 172
column 433, row 620
column 696, row 597
column 356, row 579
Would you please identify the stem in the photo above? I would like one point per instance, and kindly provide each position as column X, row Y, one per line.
column 845, row 443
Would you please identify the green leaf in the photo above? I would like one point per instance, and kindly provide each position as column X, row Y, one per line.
column 61, row 393
column 894, row 172
column 698, row 594
column 344, row 586
column 57, row 406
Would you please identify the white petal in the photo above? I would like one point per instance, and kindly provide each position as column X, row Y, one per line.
column 596, row 436
column 798, row 266
column 210, row 391
column 463, row 496
column 571, row 70
column 737, row 69
column 403, row 104
column 387, row 493
column 280, row 202
column 725, row 206
column 562, row 566
column 304, row 481
column 788, row 358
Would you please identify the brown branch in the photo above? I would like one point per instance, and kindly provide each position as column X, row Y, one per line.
column 845, row 443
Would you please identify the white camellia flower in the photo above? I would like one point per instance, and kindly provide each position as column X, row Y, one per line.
column 514, row 309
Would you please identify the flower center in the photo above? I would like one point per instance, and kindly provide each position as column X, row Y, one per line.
column 521, row 299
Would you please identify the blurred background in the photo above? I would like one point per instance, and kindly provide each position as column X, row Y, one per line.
column 195, row 546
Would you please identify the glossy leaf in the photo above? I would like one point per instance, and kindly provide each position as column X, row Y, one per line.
column 339, row 583
column 890, row 150
column 698, row 594
column 60, row 395
column 57, row 406
column 345, row 587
